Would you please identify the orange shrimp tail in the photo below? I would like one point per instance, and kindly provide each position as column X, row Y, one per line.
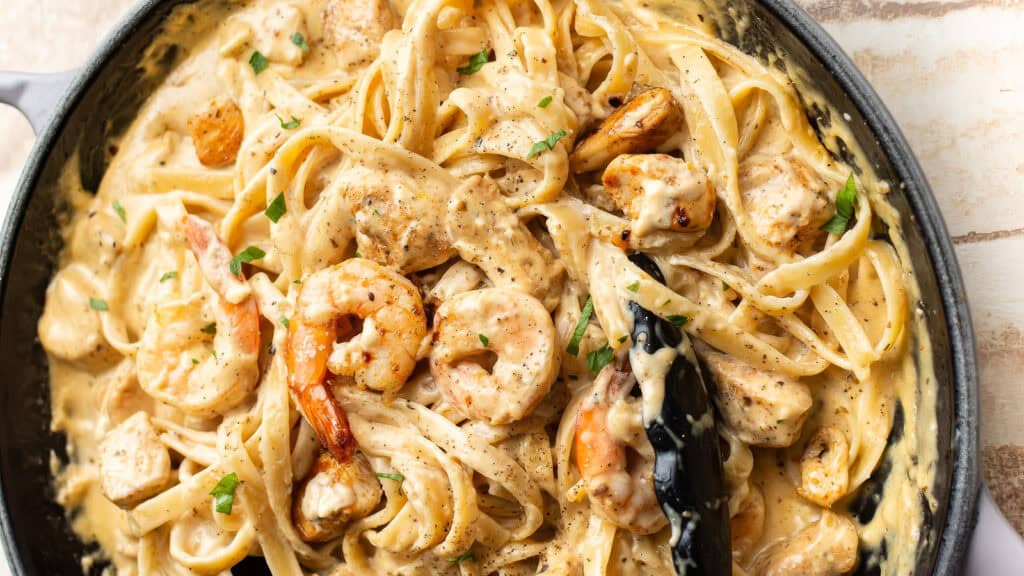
column 198, row 233
column 329, row 421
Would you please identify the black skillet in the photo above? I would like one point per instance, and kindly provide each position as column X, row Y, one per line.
column 104, row 96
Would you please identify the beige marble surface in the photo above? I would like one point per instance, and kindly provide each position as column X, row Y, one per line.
column 951, row 72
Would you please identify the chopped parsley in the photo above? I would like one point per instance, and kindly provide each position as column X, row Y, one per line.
column 581, row 327
column 244, row 257
column 544, row 102
column 119, row 210
column 276, row 209
column 169, row 276
column 195, row 362
column 476, row 62
column 391, row 476
column 846, row 203
column 623, row 338
column 678, row 319
column 289, row 125
column 546, row 144
column 210, row 328
column 600, row 358
column 467, row 555
column 98, row 304
column 484, row 340
column 725, row 286
column 224, row 493
column 299, row 40
column 284, row 322
column 258, row 62
column 634, row 287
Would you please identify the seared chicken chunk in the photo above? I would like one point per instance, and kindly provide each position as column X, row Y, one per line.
column 217, row 132
column 825, row 548
column 762, row 408
column 134, row 464
column 332, row 495
column 787, row 200
column 355, row 28
column 486, row 232
column 640, row 125
column 660, row 193
column 397, row 223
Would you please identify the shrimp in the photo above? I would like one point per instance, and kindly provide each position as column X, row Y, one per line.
column 621, row 491
column 172, row 364
column 508, row 327
column 642, row 124
column 380, row 354
column 332, row 494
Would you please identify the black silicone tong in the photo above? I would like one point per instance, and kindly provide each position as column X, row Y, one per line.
column 688, row 476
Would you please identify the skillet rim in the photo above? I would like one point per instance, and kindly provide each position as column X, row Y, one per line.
column 965, row 483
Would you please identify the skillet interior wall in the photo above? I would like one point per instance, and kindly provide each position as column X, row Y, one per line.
column 111, row 95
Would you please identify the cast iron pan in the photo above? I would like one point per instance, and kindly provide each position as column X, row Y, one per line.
column 102, row 99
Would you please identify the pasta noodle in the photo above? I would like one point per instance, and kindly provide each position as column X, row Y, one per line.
column 349, row 291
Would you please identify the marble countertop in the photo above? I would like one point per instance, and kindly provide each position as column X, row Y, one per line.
column 949, row 70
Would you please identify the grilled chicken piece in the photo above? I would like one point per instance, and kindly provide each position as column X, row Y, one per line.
column 134, row 464
column 397, row 222
column 354, row 29
column 825, row 548
column 640, row 125
column 787, row 200
column 486, row 232
column 762, row 408
column 332, row 495
column 217, row 132
column 660, row 193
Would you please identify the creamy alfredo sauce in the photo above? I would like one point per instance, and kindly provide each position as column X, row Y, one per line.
column 82, row 397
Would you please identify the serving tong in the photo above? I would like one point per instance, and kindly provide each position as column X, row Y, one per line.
column 688, row 474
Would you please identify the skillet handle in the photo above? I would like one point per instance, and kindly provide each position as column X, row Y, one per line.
column 35, row 95
column 996, row 548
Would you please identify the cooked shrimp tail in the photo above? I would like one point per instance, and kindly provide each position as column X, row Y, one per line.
column 688, row 477
column 309, row 347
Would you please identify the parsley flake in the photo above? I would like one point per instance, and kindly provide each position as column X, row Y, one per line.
column 623, row 338
column 98, row 304
column 224, row 493
column 484, row 340
column 244, row 257
column 195, row 362
column 476, row 62
column 210, row 328
column 546, row 144
column 678, row 320
column 284, row 322
column 725, row 286
column 299, row 40
column 544, row 102
column 258, row 62
column 634, row 287
column 120, row 211
column 391, row 476
column 581, row 327
column 600, row 358
column 467, row 555
column 276, row 209
column 169, row 276
column 846, row 204
column 289, row 125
